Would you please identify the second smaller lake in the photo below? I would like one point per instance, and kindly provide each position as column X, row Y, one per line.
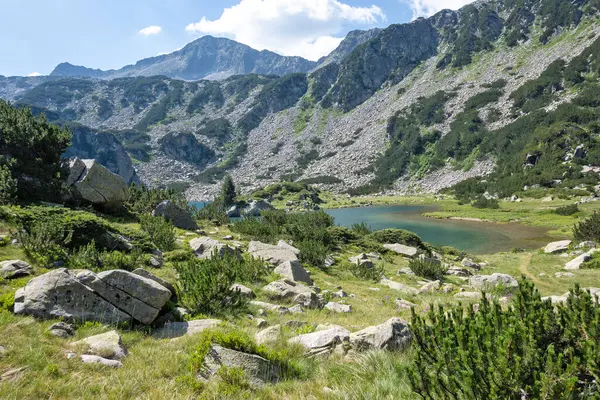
column 470, row 236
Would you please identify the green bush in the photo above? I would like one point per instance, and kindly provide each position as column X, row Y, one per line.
column 532, row 349
column 361, row 228
column 370, row 273
column 567, row 210
column 427, row 269
column 90, row 257
column 401, row 236
column 214, row 212
column 160, row 230
column 588, row 229
column 44, row 242
column 8, row 185
column 484, row 202
column 204, row 286
column 341, row 235
column 144, row 200
column 7, row 301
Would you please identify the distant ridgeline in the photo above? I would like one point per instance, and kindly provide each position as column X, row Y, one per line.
column 512, row 83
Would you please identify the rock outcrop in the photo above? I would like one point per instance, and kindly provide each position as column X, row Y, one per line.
column 111, row 297
column 393, row 334
column 176, row 215
column 91, row 182
column 557, row 247
column 294, row 271
column 13, row 269
column 322, row 342
column 272, row 254
column 488, row 282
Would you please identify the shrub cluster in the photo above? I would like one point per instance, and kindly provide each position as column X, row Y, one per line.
column 567, row 210
column 532, row 349
column 588, row 229
column 160, row 231
column 427, row 268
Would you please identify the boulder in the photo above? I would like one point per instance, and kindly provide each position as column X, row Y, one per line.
column 144, row 289
column 468, row 295
column 178, row 329
column 293, row 270
column 176, row 215
column 204, row 247
column 234, row 212
column 308, row 300
column 487, row 282
column 13, row 269
column 467, row 262
column 338, row 307
column 107, row 345
column 399, row 287
column 272, row 254
column 244, row 291
column 258, row 370
column 404, row 304
column 406, row 251
column 58, row 294
column 62, row 329
column 123, row 300
column 91, row 182
column 149, row 275
column 297, row 309
column 595, row 292
column 285, row 289
column 406, row 271
column 285, row 245
column 393, row 334
column 322, row 341
column 577, row 262
column 256, row 207
column 270, row 334
column 91, row 359
column 579, row 151
column 458, row 271
column 430, row 287
column 557, row 247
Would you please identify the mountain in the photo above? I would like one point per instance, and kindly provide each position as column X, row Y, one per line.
column 204, row 58
column 505, row 90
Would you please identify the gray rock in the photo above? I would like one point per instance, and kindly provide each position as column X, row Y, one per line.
column 3, row 351
column 579, row 151
column 107, row 345
column 487, row 282
column 258, row 370
column 62, row 329
column 308, row 300
column 405, row 271
column 285, row 289
column 144, row 289
column 271, row 307
column 149, row 275
column 406, row 251
column 256, row 207
column 285, row 245
column 273, row 255
column 577, row 262
column 557, row 247
column 58, row 294
column 294, row 271
column 467, row 262
column 458, row 271
column 234, row 212
column 13, row 269
column 297, row 309
column 338, row 307
column 93, row 183
column 261, row 323
column 393, row 334
column 178, row 329
column 399, row 287
column 404, row 304
column 322, row 341
column 244, row 291
column 176, row 215
column 124, row 301
column 270, row 334
column 563, row 275
column 91, row 359
column 469, row 295
column 155, row 262
column 205, row 247
column 430, row 287
column 586, row 244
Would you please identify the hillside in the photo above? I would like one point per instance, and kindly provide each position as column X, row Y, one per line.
column 416, row 107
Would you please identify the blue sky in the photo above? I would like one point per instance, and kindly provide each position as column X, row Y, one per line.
column 36, row 35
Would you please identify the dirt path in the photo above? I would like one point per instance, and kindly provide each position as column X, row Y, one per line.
column 524, row 267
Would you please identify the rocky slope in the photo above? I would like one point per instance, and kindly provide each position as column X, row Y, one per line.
column 350, row 124
column 204, row 58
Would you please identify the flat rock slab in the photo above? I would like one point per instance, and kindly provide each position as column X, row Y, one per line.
column 393, row 334
column 323, row 340
column 294, row 271
column 144, row 289
column 407, row 251
column 13, row 269
column 272, row 254
column 271, row 334
column 149, row 275
column 258, row 370
column 173, row 330
column 338, row 308
column 106, row 345
column 578, row 261
column 92, row 359
column 399, row 287
column 557, row 247
column 486, row 282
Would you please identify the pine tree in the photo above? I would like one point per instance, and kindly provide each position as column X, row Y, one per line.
column 228, row 192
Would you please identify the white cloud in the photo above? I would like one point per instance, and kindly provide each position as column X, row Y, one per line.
column 426, row 8
column 34, row 74
column 304, row 28
column 150, row 30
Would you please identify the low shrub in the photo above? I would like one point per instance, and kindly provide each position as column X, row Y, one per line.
column 160, row 230
column 367, row 272
column 44, row 242
column 214, row 212
column 144, row 200
column 532, row 349
column 204, row 286
column 341, row 235
column 313, row 252
column 361, row 228
column 588, row 229
column 397, row 236
column 8, row 185
column 567, row 210
column 7, row 301
column 484, row 202
column 427, row 269
column 90, row 257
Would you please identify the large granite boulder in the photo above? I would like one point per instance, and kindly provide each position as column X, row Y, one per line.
column 578, row 261
column 110, row 297
column 293, row 271
column 13, row 269
column 393, row 334
column 174, row 330
column 272, row 254
column 557, row 247
column 403, row 250
column 285, row 289
column 176, row 215
column 204, row 247
column 255, row 208
column 257, row 369
column 324, row 341
column 399, row 286
column 488, row 282
column 91, row 182
column 58, row 294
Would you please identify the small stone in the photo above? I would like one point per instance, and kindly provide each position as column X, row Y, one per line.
column 261, row 323
column 297, row 309
column 405, row 271
column 448, row 288
column 339, row 294
column 3, row 351
column 430, row 287
column 13, row 269
column 339, row 308
column 467, row 262
column 188, row 328
column 228, row 237
column 404, row 304
column 62, row 329
column 106, row 345
column 244, row 291
column 155, row 262
column 92, row 359
column 564, row 275
column 270, row 334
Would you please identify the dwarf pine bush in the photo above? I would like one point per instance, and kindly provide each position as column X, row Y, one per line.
column 588, row 229
column 531, row 350
column 160, row 230
column 427, row 269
